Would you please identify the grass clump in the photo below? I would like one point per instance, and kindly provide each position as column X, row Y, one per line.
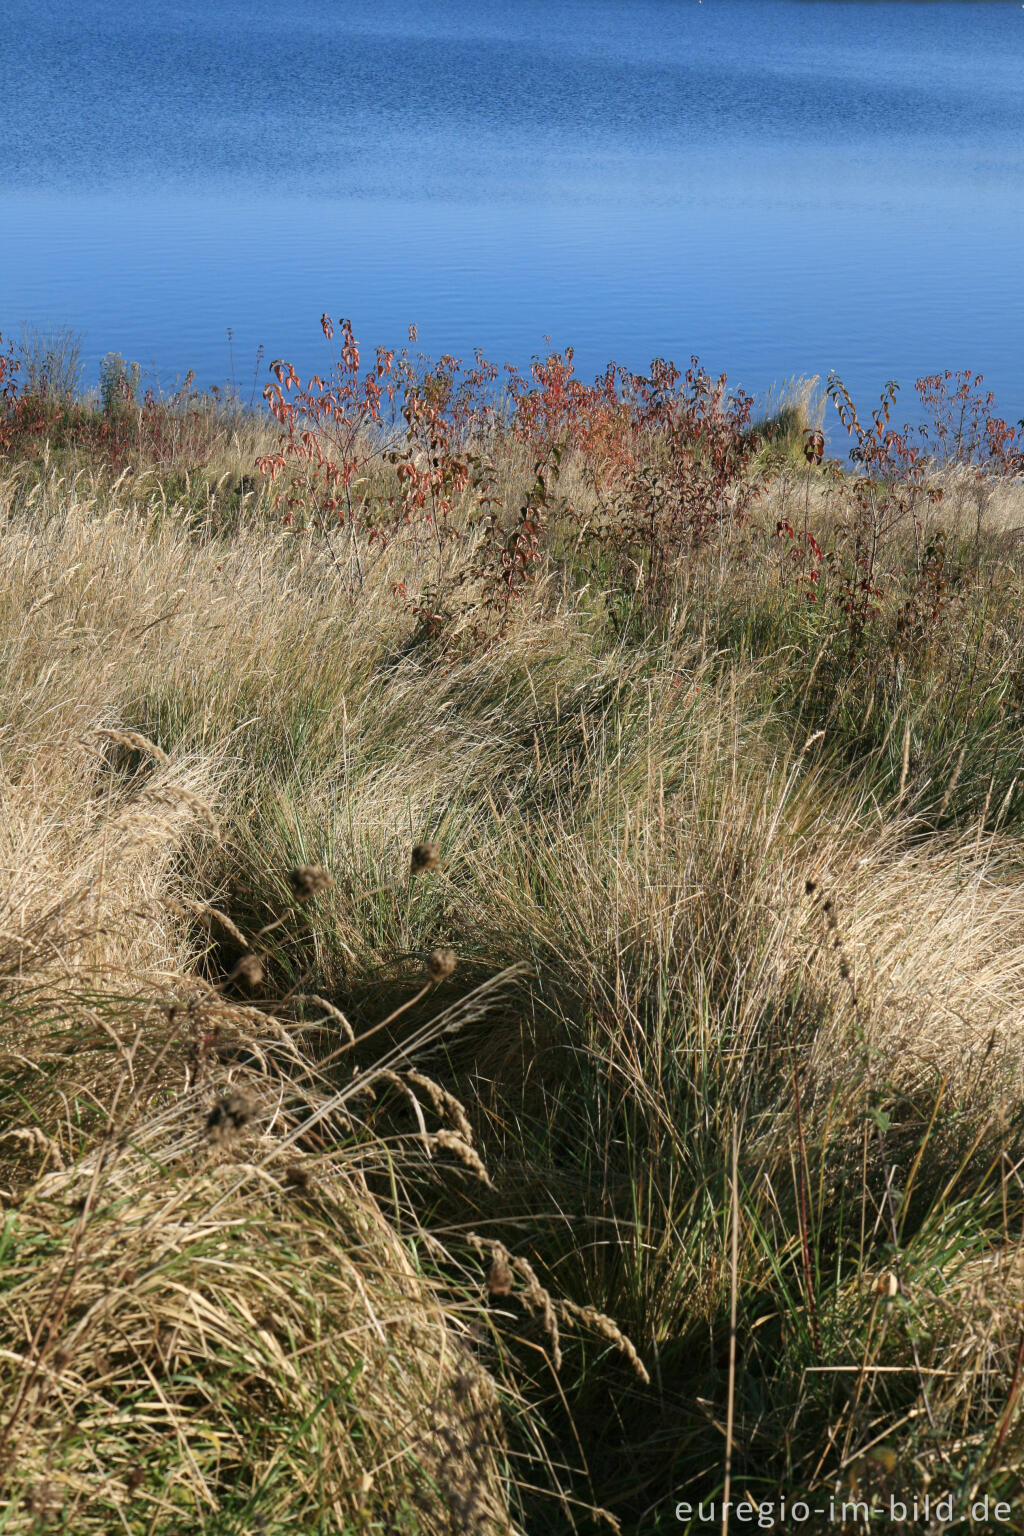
column 512, row 982
column 226, row 1347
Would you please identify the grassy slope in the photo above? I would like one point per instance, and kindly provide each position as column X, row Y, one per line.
column 755, row 901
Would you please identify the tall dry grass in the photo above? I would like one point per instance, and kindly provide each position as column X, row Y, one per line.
column 737, row 890
column 215, row 1313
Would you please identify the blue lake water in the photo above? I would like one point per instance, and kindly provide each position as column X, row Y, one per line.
column 780, row 187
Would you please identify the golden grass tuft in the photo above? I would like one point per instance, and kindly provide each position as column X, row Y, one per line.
column 217, row 1354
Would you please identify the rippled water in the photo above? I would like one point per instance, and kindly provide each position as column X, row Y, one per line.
column 781, row 187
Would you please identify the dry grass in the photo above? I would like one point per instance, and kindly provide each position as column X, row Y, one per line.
column 210, row 1343
column 265, row 850
column 198, row 1330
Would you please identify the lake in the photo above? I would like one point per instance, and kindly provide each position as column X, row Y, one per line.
column 779, row 187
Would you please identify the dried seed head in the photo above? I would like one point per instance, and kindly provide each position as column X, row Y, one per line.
column 308, row 880
column 499, row 1277
column 297, row 1179
column 463, row 1151
column 531, row 1293
column 207, row 914
column 248, row 971
column 177, row 794
column 609, row 1329
column 134, row 741
column 440, row 964
column 445, row 1103
column 331, row 1012
column 425, row 857
column 229, row 1115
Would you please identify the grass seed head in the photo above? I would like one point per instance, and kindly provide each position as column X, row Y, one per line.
column 134, row 741
column 229, row 1115
column 500, row 1279
column 441, row 964
column 297, row 1179
column 467, row 1156
column 609, row 1329
column 248, row 971
column 426, row 858
column 308, row 880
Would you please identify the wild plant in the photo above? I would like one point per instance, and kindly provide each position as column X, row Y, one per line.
column 215, row 1274
column 173, row 433
column 444, row 412
column 596, row 421
column 961, row 426
column 508, row 551
column 694, row 476
column 52, row 361
column 119, row 384
column 881, row 498
column 332, row 429
column 773, row 1133
column 9, row 366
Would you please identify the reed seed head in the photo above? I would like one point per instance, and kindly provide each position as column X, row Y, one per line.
column 426, row 858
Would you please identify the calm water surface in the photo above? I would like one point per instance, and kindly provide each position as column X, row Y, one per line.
column 781, row 187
